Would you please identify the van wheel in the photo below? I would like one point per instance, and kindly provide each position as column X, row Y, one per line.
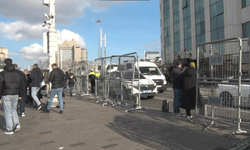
column 227, row 99
column 150, row 97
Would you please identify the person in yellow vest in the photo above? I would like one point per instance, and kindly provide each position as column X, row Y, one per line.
column 92, row 76
column 97, row 73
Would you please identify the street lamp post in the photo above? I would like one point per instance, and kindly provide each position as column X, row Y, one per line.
column 51, row 37
column 99, row 38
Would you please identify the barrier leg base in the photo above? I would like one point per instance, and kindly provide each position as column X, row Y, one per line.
column 136, row 108
column 239, row 131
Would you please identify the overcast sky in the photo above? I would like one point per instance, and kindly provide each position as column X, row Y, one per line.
column 131, row 26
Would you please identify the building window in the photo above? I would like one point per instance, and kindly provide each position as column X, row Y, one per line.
column 187, row 25
column 167, row 31
column 246, row 30
column 177, row 46
column 199, row 22
column 217, row 19
column 245, row 3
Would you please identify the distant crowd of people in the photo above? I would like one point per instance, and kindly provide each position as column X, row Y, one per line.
column 18, row 88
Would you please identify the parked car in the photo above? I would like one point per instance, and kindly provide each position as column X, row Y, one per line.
column 229, row 92
column 130, row 87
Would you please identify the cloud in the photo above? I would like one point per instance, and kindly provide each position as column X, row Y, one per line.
column 32, row 11
column 69, row 35
column 33, row 52
column 21, row 30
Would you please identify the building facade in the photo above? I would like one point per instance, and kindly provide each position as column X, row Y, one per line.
column 187, row 23
column 3, row 56
column 69, row 53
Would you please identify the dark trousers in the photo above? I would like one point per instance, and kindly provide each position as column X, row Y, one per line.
column 92, row 86
column 21, row 103
column 188, row 113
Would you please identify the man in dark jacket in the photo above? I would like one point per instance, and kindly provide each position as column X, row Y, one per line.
column 177, row 88
column 10, row 90
column 72, row 79
column 36, row 77
column 56, row 77
column 24, row 82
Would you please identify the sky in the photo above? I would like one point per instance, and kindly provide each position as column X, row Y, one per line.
column 130, row 26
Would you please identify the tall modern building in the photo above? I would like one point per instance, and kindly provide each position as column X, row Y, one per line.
column 69, row 54
column 187, row 23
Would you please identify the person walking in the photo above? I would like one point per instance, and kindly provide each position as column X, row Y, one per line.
column 24, row 82
column 177, row 88
column 92, row 80
column 10, row 91
column 28, row 88
column 56, row 77
column 36, row 77
column 72, row 79
column 188, row 99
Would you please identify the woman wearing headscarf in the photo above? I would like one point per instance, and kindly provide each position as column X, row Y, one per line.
column 188, row 99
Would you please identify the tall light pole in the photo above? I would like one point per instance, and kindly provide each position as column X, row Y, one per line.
column 99, row 38
column 51, row 36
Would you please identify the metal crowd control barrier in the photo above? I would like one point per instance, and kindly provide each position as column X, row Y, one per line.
column 219, row 83
column 82, row 77
column 118, row 83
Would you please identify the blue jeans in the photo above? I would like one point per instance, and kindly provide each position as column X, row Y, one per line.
column 70, row 90
column 10, row 105
column 34, row 91
column 177, row 100
column 53, row 93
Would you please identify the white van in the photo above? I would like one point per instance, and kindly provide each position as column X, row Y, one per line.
column 151, row 71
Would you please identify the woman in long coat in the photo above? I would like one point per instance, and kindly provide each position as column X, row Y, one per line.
column 188, row 98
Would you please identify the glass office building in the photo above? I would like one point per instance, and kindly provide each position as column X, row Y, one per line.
column 187, row 23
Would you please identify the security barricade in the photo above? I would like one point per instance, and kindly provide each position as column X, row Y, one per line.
column 119, row 80
column 219, row 88
column 82, row 78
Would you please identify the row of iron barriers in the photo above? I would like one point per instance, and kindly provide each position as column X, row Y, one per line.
column 223, row 86
column 118, row 83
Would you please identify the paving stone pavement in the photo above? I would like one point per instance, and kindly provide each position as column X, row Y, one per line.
column 85, row 125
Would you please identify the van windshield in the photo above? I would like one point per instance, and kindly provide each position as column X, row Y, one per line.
column 149, row 71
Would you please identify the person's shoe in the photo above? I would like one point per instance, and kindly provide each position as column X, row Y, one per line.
column 61, row 111
column 190, row 117
column 47, row 110
column 39, row 107
column 9, row 132
column 57, row 106
column 17, row 127
column 23, row 115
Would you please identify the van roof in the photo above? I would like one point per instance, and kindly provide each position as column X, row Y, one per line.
column 149, row 64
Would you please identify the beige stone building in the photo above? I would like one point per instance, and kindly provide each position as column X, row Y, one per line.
column 3, row 56
column 69, row 54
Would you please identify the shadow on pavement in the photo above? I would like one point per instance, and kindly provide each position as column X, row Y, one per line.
column 163, row 131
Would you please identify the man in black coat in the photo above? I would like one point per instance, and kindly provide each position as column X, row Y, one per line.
column 72, row 79
column 24, row 82
column 177, row 88
column 10, row 91
column 36, row 77
column 56, row 77
column 189, row 79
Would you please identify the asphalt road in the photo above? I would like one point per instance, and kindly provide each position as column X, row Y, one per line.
column 156, row 102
